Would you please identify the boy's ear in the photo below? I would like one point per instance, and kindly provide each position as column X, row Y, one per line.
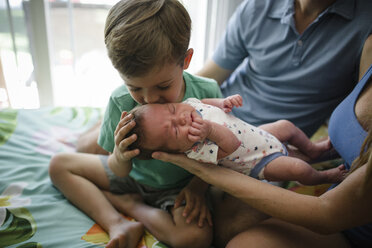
column 188, row 57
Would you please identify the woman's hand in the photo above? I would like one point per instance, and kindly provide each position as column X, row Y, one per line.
column 191, row 165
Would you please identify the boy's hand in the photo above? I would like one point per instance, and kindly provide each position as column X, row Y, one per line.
column 196, row 205
column 200, row 129
column 121, row 155
column 231, row 101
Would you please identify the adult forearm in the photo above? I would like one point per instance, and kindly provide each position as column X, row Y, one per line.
column 272, row 200
column 307, row 211
column 212, row 70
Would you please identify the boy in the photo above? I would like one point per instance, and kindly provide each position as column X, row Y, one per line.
column 205, row 132
column 147, row 42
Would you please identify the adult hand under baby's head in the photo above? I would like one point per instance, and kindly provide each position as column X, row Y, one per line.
column 174, row 158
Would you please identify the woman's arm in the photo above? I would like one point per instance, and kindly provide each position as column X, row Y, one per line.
column 343, row 207
column 366, row 58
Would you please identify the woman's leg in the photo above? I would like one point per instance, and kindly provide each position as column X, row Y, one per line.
column 277, row 233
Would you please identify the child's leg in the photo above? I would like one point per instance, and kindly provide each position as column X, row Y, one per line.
column 170, row 228
column 80, row 177
column 293, row 169
column 286, row 131
column 87, row 142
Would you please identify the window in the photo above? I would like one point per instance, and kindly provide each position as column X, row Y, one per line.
column 53, row 51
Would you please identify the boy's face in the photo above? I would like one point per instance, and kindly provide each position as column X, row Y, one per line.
column 158, row 86
column 167, row 126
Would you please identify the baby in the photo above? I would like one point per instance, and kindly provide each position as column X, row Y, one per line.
column 205, row 131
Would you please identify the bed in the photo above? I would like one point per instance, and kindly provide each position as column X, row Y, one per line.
column 33, row 213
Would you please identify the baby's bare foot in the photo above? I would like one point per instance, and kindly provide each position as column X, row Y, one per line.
column 319, row 148
column 336, row 175
column 125, row 234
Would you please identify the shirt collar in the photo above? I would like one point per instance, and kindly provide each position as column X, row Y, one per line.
column 344, row 8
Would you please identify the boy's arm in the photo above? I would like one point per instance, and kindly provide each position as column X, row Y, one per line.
column 226, row 104
column 120, row 161
column 120, row 169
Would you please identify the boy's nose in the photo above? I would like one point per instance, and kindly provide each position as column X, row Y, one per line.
column 150, row 98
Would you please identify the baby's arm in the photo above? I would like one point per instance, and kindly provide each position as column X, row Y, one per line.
column 225, row 139
column 226, row 104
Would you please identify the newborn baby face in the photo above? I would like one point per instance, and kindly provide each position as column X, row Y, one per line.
column 167, row 126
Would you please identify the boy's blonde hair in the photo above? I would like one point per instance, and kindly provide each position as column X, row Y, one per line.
column 141, row 35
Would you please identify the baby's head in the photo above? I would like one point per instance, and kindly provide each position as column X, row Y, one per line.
column 161, row 127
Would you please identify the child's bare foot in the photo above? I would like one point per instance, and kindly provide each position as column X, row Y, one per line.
column 125, row 234
column 319, row 148
column 336, row 175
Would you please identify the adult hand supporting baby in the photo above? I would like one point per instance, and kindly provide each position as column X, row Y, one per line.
column 182, row 161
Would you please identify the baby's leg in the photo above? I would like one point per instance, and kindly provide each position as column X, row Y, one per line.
column 294, row 169
column 286, row 131
column 170, row 228
column 80, row 177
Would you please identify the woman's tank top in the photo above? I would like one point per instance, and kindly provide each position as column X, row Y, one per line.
column 345, row 132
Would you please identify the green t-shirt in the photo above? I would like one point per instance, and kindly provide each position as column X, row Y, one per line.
column 154, row 173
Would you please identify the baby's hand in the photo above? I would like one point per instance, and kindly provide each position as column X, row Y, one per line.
column 232, row 101
column 200, row 129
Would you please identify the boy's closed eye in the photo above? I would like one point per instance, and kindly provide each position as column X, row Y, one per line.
column 134, row 89
column 164, row 86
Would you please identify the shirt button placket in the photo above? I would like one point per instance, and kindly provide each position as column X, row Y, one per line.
column 297, row 53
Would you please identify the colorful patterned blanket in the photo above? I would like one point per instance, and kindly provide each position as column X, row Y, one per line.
column 33, row 213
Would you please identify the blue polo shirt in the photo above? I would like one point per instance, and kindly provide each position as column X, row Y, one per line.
column 282, row 74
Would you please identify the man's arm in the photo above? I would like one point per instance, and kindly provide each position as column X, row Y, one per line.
column 212, row 70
